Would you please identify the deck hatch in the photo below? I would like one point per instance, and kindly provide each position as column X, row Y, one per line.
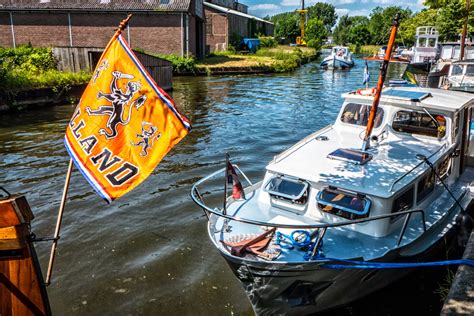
column 406, row 95
column 345, row 204
column 350, row 155
column 287, row 188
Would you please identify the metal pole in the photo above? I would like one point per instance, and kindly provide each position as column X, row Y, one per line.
column 58, row 224
column 224, row 210
column 464, row 30
column 70, row 28
column 13, row 30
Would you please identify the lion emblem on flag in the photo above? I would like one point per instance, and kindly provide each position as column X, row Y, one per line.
column 119, row 101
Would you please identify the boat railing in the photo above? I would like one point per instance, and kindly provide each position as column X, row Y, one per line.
column 322, row 227
column 392, row 186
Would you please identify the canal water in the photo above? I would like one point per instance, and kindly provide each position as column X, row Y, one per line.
column 148, row 253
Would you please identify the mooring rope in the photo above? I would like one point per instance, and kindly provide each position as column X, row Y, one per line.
column 354, row 264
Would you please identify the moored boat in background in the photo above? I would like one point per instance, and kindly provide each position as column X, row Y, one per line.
column 340, row 58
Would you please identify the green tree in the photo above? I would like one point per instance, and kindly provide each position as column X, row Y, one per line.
column 451, row 19
column 359, row 32
column 381, row 22
column 315, row 33
column 287, row 25
column 325, row 12
column 341, row 32
column 408, row 26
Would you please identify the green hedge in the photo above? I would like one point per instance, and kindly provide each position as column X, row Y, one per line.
column 27, row 67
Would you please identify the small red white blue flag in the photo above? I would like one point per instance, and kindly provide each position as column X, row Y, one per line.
column 366, row 74
column 232, row 178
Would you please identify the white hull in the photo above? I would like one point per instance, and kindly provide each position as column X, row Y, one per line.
column 333, row 62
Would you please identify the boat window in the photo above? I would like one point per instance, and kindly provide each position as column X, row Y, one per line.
column 349, row 205
column 422, row 42
column 419, row 123
column 358, row 114
column 402, row 203
column 470, row 70
column 457, row 70
column 293, row 190
column 432, row 42
column 444, row 168
column 469, row 53
column 425, row 187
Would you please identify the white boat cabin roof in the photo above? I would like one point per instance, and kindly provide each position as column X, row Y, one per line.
column 392, row 158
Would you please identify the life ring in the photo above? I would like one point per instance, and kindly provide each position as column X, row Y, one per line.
column 366, row 92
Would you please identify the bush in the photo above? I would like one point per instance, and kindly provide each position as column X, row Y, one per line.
column 267, row 41
column 180, row 64
column 26, row 67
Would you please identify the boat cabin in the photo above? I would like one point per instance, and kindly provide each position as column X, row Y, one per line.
column 340, row 51
column 461, row 75
column 328, row 178
column 426, row 45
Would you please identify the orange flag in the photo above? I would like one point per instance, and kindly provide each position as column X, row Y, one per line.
column 123, row 125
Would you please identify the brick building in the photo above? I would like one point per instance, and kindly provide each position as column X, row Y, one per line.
column 228, row 21
column 157, row 26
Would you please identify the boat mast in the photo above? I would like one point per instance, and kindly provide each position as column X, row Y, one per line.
column 378, row 92
column 464, row 30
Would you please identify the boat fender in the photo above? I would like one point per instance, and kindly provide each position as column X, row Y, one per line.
column 366, row 92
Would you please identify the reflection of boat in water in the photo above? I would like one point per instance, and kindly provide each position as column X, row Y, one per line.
column 22, row 289
column 340, row 57
column 330, row 202
column 300, row 240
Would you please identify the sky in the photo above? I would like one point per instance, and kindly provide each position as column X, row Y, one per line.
column 262, row 8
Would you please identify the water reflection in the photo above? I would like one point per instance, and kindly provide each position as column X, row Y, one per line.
column 148, row 252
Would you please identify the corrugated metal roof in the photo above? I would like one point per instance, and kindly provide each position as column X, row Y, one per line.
column 97, row 5
column 230, row 11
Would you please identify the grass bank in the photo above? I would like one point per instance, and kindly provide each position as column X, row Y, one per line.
column 275, row 59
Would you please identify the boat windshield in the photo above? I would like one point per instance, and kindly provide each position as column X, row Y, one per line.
column 457, row 70
column 358, row 114
column 469, row 70
column 288, row 189
column 341, row 203
column 419, row 123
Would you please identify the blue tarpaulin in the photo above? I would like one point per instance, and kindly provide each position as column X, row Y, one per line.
column 251, row 44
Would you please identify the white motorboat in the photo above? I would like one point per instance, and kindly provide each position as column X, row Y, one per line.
column 340, row 57
column 330, row 202
column 424, row 53
column 461, row 76
column 335, row 210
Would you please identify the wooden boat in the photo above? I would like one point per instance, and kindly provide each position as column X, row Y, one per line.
column 22, row 289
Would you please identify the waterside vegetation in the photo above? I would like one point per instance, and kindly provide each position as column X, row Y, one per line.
column 26, row 68
column 270, row 58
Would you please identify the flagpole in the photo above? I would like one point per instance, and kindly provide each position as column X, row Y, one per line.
column 224, row 210
column 123, row 24
column 58, row 224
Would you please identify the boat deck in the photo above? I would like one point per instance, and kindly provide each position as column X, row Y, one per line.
column 342, row 242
